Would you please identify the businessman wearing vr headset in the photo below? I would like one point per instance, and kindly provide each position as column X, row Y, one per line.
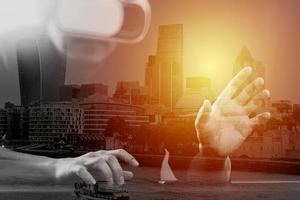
column 221, row 127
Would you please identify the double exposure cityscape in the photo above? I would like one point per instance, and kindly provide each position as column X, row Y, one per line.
column 149, row 100
column 143, row 118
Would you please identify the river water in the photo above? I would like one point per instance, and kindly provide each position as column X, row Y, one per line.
column 245, row 185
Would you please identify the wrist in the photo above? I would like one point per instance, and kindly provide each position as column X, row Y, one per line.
column 44, row 166
column 207, row 150
column 209, row 169
column 61, row 168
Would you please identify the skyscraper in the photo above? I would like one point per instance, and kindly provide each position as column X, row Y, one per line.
column 152, row 80
column 197, row 90
column 53, row 68
column 245, row 59
column 41, row 70
column 164, row 73
column 29, row 71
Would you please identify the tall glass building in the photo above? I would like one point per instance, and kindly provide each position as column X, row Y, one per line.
column 41, row 70
column 53, row 68
column 164, row 71
column 29, row 71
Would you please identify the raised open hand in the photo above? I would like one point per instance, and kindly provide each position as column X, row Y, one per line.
column 227, row 123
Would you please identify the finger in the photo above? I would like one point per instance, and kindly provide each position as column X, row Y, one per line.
column 105, row 170
column 260, row 118
column 236, row 82
column 125, row 156
column 250, row 91
column 203, row 113
column 128, row 175
column 116, row 169
column 257, row 101
column 85, row 175
column 90, row 161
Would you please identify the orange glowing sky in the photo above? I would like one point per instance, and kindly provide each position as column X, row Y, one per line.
column 214, row 33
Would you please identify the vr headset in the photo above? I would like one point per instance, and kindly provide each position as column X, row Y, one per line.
column 80, row 22
column 98, row 19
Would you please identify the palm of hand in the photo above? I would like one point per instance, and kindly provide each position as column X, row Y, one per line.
column 226, row 124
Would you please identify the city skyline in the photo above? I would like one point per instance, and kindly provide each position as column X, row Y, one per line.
column 150, row 99
column 268, row 29
column 164, row 79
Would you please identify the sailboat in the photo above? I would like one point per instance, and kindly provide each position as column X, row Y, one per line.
column 166, row 173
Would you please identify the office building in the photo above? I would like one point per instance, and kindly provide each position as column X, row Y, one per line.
column 280, row 109
column 29, row 71
column 84, row 93
column 152, row 80
column 53, row 69
column 3, row 122
column 130, row 92
column 169, row 54
column 245, row 59
column 51, row 121
column 41, row 70
column 17, row 122
column 69, row 92
column 196, row 91
column 272, row 144
column 97, row 115
column 87, row 90
column 164, row 72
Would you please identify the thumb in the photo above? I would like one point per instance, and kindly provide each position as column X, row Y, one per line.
column 206, row 106
column 203, row 112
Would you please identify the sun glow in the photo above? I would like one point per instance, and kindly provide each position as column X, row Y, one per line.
column 211, row 52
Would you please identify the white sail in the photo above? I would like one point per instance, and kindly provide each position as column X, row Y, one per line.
column 166, row 173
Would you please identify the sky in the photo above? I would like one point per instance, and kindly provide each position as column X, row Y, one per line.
column 214, row 33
